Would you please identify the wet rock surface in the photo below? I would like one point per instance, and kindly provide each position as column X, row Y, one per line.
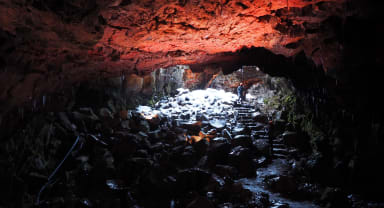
column 197, row 149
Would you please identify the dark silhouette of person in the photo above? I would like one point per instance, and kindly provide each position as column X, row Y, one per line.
column 240, row 92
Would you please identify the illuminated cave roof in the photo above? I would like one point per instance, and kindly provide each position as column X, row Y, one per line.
column 75, row 40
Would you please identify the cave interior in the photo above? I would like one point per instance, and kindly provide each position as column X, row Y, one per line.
column 134, row 103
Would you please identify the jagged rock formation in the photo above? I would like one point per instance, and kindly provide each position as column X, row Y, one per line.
column 46, row 45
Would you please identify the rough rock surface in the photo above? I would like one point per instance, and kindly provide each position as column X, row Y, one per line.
column 48, row 44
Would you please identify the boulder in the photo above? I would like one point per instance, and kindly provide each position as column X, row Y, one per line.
column 185, row 157
column 64, row 121
column 218, row 153
column 81, row 119
column 143, row 126
column 225, row 205
column 236, row 193
column 157, row 147
column 200, row 202
column 125, row 124
column 240, row 130
column 141, row 153
column 154, row 135
column 242, row 140
column 279, row 204
column 185, row 116
column 105, row 113
column 241, row 158
column 262, row 146
column 89, row 113
column 282, row 184
column 259, row 117
column 192, row 127
column 260, row 162
column 124, row 114
column 225, row 171
column 219, row 140
column 201, row 147
column 218, row 123
column 126, row 145
column 154, row 122
column 116, row 184
column 261, row 199
column 290, row 138
column 202, row 162
column 193, row 179
column 334, row 197
column 257, row 126
column 215, row 185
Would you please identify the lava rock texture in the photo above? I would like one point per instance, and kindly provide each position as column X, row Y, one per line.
column 46, row 45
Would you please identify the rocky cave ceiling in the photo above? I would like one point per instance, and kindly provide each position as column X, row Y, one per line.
column 46, row 42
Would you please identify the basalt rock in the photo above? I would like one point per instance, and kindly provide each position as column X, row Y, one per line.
column 45, row 45
column 283, row 184
column 218, row 153
column 262, row 146
column 225, row 171
column 241, row 158
column 242, row 140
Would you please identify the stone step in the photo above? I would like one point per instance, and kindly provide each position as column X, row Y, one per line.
column 244, row 109
column 243, row 106
column 261, row 137
column 278, row 141
column 275, row 145
column 293, row 151
column 279, row 156
column 246, row 105
column 245, row 114
column 252, row 124
column 255, row 127
column 244, row 124
column 246, row 120
column 282, row 151
column 260, row 132
column 244, row 117
column 241, row 114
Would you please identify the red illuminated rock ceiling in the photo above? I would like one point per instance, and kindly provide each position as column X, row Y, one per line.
column 73, row 40
column 186, row 31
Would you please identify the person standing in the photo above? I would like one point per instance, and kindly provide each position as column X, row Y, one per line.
column 240, row 92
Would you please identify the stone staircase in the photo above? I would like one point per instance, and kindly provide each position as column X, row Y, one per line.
column 244, row 119
column 279, row 149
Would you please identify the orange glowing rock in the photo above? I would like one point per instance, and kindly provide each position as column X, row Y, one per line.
column 141, row 36
column 210, row 135
column 193, row 139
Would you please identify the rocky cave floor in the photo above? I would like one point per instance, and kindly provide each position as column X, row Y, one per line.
column 197, row 149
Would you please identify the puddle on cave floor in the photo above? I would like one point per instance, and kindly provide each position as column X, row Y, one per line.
column 277, row 167
column 219, row 110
